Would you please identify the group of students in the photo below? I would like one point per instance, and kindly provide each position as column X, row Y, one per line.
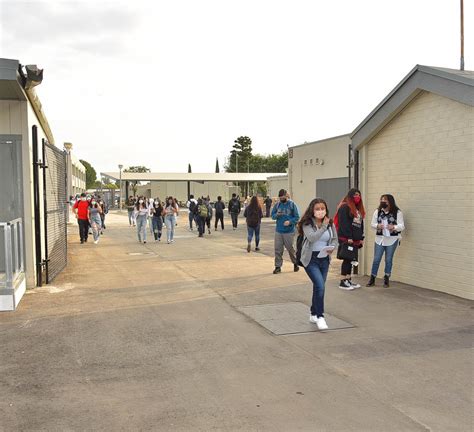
column 90, row 211
column 319, row 236
column 153, row 212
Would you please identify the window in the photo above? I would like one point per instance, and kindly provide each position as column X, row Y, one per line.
column 311, row 161
column 306, row 161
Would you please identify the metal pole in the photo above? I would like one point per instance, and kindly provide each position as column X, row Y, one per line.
column 462, row 34
column 120, row 195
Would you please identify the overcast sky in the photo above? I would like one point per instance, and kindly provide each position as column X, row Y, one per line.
column 163, row 83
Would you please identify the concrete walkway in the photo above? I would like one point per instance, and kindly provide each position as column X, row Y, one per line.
column 149, row 337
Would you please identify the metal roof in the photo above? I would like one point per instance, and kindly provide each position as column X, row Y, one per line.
column 200, row 177
column 450, row 83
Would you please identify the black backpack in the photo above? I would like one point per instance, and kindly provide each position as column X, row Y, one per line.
column 253, row 218
column 299, row 247
column 235, row 206
column 192, row 206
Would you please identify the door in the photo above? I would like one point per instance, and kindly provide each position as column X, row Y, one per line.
column 332, row 191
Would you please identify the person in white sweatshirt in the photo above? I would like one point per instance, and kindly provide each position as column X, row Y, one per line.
column 388, row 223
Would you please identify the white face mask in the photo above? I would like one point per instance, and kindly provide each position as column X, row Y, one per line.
column 320, row 214
column 140, row 201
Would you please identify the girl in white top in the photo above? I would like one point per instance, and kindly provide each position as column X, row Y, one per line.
column 388, row 223
column 141, row 215
column 170, row 212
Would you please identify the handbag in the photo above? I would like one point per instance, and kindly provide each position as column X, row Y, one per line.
column 347, row 251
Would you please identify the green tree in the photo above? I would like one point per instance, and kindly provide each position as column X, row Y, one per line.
column 136, row 169
column 91, row 174
column 217, row 166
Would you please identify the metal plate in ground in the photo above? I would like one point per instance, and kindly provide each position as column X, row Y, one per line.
column 140, row 253
column 289, row 318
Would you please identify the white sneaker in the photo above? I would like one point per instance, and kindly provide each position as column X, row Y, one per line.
column 346, row 285
column 354, row 285
column 96, row 241
column 313, row 319
column 321, row 323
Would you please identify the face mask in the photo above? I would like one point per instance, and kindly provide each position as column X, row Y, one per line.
column 94, row 203
column 83, row 198
column 320, row 214
column 140, row 201
column 283, row 200
column 157, row 202
column 383, row 205
column 357, row 199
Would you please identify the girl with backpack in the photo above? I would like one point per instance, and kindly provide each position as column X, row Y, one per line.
column 169, row 212
column 253, row 216
column 350, row 231
column 95, row 221
column 319, row 239
column 388, row 223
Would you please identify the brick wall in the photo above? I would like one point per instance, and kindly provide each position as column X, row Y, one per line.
column 424, row 157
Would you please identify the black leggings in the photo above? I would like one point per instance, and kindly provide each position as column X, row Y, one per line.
column 346, row 267
column 219, row 217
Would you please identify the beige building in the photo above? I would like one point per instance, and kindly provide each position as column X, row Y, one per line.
column 77, row 176
column 417, row 144
column 275, row 183
column 319, row 169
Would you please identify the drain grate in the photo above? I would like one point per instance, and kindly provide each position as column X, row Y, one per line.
column 289, row 318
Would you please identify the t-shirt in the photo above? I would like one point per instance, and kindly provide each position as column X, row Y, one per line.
column 82, row 207
column 322, row 242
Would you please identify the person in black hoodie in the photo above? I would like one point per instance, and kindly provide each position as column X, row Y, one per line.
column 350, row 232
column 219, row 206
column 234, row 210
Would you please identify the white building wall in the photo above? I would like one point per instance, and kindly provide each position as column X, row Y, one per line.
column 276, row 183
column 303, row 171
column 424, row 157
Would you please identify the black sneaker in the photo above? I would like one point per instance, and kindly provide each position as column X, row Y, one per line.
column 346, row 285
column 257, row 249
column 277, row 270
column 371, row 281
column 386, row 281
column 296, row 267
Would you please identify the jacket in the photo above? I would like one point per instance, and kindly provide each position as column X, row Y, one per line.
column 349, row 227
column 311, row 235
column 283, row 212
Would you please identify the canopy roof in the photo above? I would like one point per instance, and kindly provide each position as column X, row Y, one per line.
column 200, row 177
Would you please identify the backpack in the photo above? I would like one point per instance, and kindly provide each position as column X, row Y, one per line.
column 299, row 247
column 235, row 206
column 203, row 210
column 192, row 206
column 253, row 218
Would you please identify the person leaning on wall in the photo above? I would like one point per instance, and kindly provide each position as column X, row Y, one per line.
column 388, row 223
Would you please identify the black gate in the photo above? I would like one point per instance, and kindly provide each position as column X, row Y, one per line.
column 55, row 210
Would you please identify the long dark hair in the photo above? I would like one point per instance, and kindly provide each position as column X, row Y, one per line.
column 308, row 215
column 392, row 206
column 138, row 206
column 349, row 201
column 254, row 205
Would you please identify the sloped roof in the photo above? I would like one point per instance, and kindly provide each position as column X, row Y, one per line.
column 450, row 83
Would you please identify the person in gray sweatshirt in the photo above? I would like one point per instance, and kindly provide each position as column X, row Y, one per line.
column 319, row 241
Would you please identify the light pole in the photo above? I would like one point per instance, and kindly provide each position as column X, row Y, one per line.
column 120, row 194
column 68, row 148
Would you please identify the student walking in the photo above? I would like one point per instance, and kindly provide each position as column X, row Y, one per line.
column 131, row 210
column 253, row 216
column 268, row 204
column 207, row 201
column 141, row 216
column 234, row 210
column 81, row 210
column 202, row 212
column 157, row 219
column 170, row 211
column 105, row 210
column 350, row 231
column 219, row 206
column 95, row 219
column 319, row 241
column 286, row 214
column 191, row 205
column 388, row 223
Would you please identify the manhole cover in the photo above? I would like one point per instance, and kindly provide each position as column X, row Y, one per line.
column 289, row 318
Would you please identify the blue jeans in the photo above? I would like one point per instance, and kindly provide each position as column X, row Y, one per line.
column 170, row 222
column 157, row 226
column 317, row 270
column 141, row 227
column 250, row 233
column 378, row 252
